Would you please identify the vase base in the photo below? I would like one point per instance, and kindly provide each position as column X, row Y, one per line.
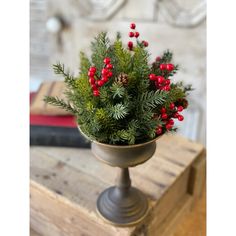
column 122, row 209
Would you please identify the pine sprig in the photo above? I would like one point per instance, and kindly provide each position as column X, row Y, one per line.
column 152, row 99
column 140, row 62
column 117, row 90
column 68, row 77
column 99, row 49
column 60, row 103
column 122, row 57
column 118, row 111
column 84, row 64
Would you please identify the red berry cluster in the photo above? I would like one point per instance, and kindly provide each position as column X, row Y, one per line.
column 182, row 102
column 160, row 82
column 168, row 67
column 136, row 35
column 106, row 74
column 169, row 122
column 175, row 111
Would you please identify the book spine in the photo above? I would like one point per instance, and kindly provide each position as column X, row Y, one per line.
column 57, row 136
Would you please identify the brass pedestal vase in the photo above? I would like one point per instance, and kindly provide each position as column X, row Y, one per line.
column 123, row 205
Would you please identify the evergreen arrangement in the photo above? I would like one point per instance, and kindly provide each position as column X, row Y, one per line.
column 119, row 97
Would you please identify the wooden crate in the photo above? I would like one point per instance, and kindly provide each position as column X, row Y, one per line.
column 65, row 183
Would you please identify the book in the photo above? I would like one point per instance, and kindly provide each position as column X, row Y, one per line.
column 58, row 136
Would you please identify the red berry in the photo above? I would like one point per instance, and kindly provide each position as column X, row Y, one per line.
column 169, row 126
column 171, row 122
column 170, row 67
column 163, row 67
column 176, row 115
column 107, row 60
column 136, row 34
column 131, row 34
column 109, row 74
column 180, row 117
column 91, row 73
column 91, row 80
column 152, row 77
column 163, row 110
column 160, row 79
column 167, row 82
column 96, row 93
column 109, row 66
column 104, row 71
column 172, row 106
column 158, row 58
column 166, row 88
column 100, row 83
column 180, row 108
column 159, row 130
column 164, row 116
column 92, row 69
column 132, row 26
column 145, row 43
column 105, row 79
column 94, row 87
column 130, row 45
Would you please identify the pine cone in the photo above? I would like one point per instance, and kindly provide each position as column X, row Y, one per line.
column 122, row 79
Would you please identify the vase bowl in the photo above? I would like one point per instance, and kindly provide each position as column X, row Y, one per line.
column 124, row 156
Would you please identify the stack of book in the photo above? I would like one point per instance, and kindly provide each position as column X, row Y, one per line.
column 50, row 126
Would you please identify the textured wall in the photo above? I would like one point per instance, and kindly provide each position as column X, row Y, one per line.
column 39, row 45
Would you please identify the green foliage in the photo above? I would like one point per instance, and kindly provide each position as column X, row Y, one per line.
column 118, row 111
column 151, row 99
column 84, row 64
column 117, row 90
column 122, row 57
column 60, row 70
column 60, row 103
column 99, row 49
column 124, row 113
column 140, row 63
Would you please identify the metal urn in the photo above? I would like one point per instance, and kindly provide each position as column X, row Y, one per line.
column 122, row 204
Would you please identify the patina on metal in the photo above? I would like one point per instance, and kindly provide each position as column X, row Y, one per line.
column 123, row 205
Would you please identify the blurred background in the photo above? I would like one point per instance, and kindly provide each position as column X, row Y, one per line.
column 59, row 29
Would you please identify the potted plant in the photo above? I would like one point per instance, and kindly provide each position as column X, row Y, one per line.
column 123, row 104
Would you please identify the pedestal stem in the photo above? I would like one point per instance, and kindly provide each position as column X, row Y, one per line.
column 123, row 181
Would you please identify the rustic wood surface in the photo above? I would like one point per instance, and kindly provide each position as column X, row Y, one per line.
column 192, row 224
column 65, row 183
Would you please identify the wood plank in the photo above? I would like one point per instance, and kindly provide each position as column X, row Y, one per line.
column 34, row 233
column 58, row 216
column 194, row 223
column 198, row 176
column 167, row 226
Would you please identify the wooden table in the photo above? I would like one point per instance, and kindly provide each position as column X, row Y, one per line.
column 65, row 183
